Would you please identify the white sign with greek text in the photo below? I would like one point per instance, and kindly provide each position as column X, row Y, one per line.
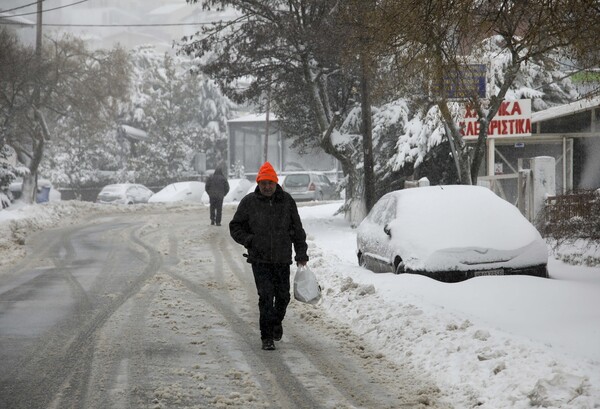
column 512, row 119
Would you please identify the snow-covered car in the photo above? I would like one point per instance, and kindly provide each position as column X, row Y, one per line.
column 238, row 188
column 179, row 192
column 45, row 191
column 449, row 233
column 124, row 193
column 309, row 186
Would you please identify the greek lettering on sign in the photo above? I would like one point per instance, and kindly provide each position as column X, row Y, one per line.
column 512, row 119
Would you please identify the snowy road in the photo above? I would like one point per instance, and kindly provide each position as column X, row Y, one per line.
column 148, row 309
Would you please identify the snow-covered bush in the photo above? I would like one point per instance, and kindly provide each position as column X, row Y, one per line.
column 572, row 218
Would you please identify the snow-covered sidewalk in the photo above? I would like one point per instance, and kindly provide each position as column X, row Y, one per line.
column 490, row 342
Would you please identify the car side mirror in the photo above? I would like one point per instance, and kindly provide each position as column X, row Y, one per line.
column 387, row 230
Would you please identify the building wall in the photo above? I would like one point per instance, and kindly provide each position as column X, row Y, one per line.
column 246, row 148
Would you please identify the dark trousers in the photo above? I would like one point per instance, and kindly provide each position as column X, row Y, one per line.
column 273, row 286
column 216, row 208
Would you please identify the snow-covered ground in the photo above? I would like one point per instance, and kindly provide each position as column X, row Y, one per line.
column 490, row 342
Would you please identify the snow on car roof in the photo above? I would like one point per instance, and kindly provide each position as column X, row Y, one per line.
column 192, row 190
column 117, row 187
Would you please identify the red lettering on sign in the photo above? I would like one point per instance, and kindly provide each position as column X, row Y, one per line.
column 471, row 128
column 516, row 108
column 509, row 108
column 502, row 109
column 508, row 121
column 471, row 113
column 520, row 125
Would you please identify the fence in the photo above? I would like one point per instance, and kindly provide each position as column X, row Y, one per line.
column 580, row 204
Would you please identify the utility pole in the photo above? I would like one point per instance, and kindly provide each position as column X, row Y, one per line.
column 38, row 53
column 268, row 108
column 38, row 145
column 38, row 37
column 367, row 63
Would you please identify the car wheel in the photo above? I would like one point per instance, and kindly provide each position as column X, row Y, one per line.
column 129, row 202
column 361, row 260
column 398, row 265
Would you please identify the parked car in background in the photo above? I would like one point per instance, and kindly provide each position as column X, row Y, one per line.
column 238, row 188
column 309, row 186
column 45, row 191
column 124, row 193
column 179, row 192
column 449, row 233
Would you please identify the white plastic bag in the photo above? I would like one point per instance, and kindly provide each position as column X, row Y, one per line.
column 306, row 287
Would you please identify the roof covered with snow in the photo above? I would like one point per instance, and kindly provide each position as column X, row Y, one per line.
column 564, row 110
column 6, row 16
column 254, row 118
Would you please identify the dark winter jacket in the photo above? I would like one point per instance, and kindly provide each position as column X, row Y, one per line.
column 268, row 227
column 216, row 185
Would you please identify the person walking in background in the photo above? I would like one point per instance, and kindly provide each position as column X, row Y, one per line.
column 267, row 224
column 216, row 187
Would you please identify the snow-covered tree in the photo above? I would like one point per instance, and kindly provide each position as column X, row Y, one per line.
column 182, row 112
column 445, row 36
column 292, row 50
column 542, row 79
column 16, row 86
column 59, row 103
column 8, row 173
column 84, row 137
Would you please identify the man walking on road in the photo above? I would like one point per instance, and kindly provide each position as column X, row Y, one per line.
column 216, row 187
column 267, row 224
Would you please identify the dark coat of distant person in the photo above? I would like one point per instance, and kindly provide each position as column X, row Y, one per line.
column 216, row 185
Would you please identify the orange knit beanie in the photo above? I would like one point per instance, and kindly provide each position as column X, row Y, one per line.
column 266, row 172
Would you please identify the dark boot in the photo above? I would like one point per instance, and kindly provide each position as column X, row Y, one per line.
column 277, row 332
column 268, row 345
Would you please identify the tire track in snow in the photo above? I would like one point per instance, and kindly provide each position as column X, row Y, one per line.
column 65, row 360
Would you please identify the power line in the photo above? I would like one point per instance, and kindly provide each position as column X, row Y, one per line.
column 122, row 25
column 18, row 8
column 95, row 25
column 129, row 25
column 45, row 10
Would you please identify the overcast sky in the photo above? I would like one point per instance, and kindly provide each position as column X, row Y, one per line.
column 107, row 22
